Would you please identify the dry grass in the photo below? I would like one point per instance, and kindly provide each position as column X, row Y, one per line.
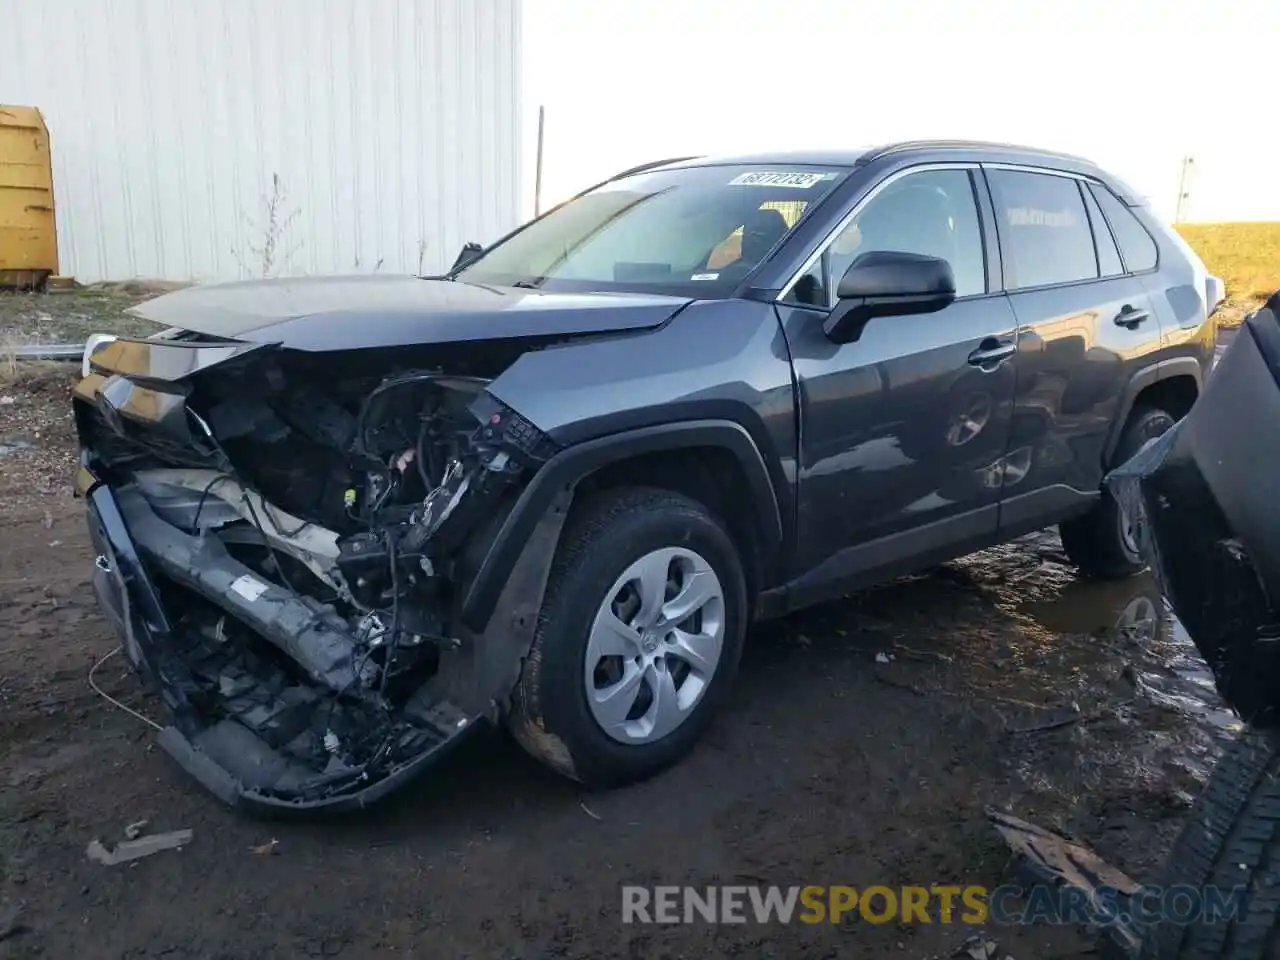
column 30, row 372
column 1245, row 255
column 68, row 317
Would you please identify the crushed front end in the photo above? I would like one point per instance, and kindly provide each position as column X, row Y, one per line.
column 284, row 542
column 1205, row 498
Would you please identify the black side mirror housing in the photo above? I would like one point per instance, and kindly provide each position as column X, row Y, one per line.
column 470, row 253
column 884, row 283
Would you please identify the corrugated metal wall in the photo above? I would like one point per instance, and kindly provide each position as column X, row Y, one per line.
column 385, row 133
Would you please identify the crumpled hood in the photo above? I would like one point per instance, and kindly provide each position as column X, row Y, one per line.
column 348, row 313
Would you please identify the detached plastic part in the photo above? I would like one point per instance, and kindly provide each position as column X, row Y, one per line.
column 1205, row 497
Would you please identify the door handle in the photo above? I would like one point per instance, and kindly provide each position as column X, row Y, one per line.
column 991, row 353
column 1130, row 317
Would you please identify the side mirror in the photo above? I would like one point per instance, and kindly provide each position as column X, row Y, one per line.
column 884, row 283
column 470, row 253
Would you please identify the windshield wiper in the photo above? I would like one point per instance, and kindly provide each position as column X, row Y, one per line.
column 531, row 284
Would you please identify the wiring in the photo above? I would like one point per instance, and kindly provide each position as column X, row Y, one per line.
column 275, row 525
column 112, row 700
column 393, row 633
column 266, row 541
column 232, row 474
column 394, row 630
column 247, row 501
column 420, row 456
column 266, row 507
column 388, row 644
column 204, row 496
column 392, row 614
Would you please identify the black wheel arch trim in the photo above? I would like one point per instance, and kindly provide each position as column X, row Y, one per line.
column 572, row 464
column 1143, row 378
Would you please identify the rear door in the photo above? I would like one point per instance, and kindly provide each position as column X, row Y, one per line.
column 1084, row 325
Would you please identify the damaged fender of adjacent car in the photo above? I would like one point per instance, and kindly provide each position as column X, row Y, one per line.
column 288, row 537
column 1208, row 523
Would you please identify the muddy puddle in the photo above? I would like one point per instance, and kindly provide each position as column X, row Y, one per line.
column 1129, row 618
column 1167, row 667
column 1121, row 660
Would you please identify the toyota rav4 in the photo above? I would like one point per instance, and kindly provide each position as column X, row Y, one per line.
column 341, row 521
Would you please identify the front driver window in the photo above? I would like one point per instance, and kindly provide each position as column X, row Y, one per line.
column 932, row 213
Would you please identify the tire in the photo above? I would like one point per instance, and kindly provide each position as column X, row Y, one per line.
column 1231, row 840
column 1095, row 542
column 607, row 536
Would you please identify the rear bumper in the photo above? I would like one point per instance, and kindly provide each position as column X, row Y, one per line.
column 227, row 758
column 1210, row 527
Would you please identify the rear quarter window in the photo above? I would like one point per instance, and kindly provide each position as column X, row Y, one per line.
column 1136, row 246
column 1109, row 263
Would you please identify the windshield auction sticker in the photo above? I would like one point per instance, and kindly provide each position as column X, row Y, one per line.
column 777, row 178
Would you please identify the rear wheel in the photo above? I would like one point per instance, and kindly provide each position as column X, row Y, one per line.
column 638, row 639
column 1230, row 846
column 1103, row 543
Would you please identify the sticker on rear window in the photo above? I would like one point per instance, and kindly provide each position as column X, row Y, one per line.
column 704, row 276
column 248, row 587
column 778, row 178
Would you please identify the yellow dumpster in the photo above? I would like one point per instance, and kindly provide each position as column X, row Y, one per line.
column 28, row 236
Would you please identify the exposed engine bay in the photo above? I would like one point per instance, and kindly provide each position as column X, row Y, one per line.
column 307, row 533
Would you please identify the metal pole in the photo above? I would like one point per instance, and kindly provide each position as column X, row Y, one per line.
column 1182, row 189
column 537, row 182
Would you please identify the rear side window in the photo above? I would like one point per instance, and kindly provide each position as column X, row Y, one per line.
column 1136, row 245
column 1043, row 228
column 1109, row 263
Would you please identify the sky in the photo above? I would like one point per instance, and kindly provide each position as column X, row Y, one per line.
column 1135, row 86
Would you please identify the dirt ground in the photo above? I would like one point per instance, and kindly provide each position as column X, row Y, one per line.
column 829, row 767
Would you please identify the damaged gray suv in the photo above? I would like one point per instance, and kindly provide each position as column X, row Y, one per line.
column 342, row 521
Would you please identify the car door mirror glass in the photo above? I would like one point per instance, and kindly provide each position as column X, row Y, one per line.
column 884, row 283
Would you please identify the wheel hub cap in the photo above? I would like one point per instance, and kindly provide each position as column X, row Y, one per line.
column 654, row 645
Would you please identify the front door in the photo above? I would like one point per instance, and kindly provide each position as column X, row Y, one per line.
column 903, row 431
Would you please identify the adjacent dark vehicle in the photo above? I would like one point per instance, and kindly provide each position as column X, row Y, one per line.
column 1212, row 533
column 341, row 520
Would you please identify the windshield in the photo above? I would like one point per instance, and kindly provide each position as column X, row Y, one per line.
column 696, row 231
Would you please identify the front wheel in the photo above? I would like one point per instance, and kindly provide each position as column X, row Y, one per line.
column 638, row 639
column 1104, row 543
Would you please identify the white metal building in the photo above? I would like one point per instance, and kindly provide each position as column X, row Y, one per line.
column 215, row 140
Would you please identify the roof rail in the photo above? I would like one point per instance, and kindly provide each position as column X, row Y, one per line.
column 650, row 165
column 907, row 146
